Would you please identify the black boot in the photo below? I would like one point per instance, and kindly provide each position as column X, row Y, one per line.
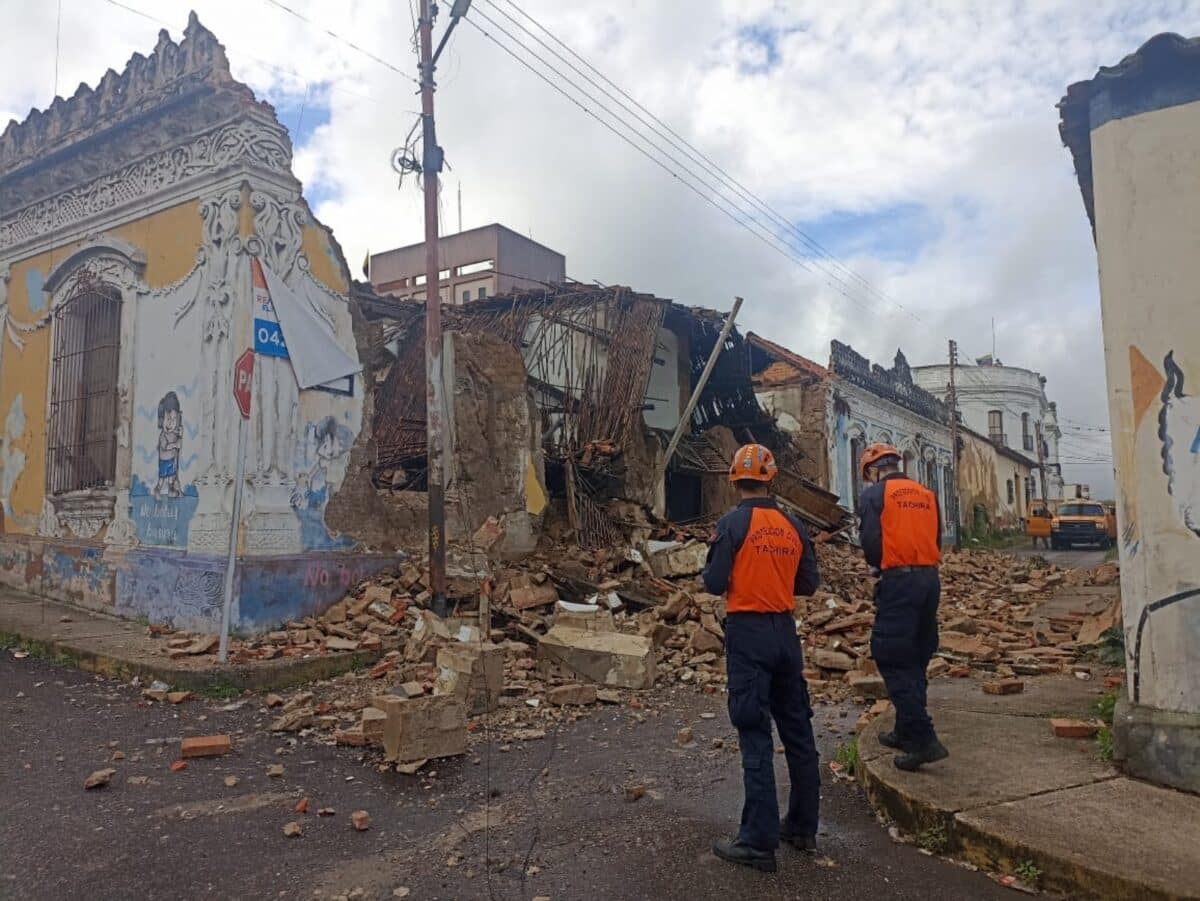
column 805, row 843
column 914, row 759
column 735, row 851
column 894, row 741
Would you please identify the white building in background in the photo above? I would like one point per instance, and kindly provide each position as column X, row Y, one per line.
column 478, row 263
column 1008, row 405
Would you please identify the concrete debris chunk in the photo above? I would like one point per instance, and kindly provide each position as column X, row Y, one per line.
column 868, row 686
column 588, row 617
column 835, row 660
column 411, row 689
column 472, row 673
column 675, row 560
column 423, row 728
column 100, row 778
column 572, row 695
column 293, row 830
column 428, row 634
column 360, row 820
column 608, row 658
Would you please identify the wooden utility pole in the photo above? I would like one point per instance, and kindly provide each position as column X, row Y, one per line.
column 431, row 165
column 685, row 419
column 954, row 447
column 435, row 400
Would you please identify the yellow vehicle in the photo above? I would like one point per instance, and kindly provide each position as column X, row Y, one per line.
column 1037, row 524
column 1082, row 522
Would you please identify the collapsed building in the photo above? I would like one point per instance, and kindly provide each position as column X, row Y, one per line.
column 573, row 392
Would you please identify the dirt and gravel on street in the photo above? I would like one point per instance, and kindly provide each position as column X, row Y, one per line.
column 608, row 806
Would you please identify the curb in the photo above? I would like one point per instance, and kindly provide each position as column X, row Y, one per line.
column 985, row 848
column 269, row 675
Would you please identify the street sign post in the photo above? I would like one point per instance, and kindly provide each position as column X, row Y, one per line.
column 243, row 381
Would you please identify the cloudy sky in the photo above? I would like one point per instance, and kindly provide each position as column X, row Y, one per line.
column 916, row 142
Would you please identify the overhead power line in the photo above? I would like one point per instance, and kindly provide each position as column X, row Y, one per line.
column 337, row 37
column 816, row 252
column 740, row 217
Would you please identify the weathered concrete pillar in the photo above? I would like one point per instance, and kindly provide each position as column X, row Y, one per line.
column 1134, row 132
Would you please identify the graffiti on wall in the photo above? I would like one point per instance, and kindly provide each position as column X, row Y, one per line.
column 161, row 513
column 1179, row 433
column 274, row 591
column 166, row 589
column 1178, row 447
column 323, row 449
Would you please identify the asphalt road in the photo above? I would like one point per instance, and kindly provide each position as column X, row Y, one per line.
column 1076, row 558
column 543, row 818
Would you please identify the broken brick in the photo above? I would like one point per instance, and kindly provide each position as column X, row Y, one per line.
column 1004, row 687
column 1065, row 728
column 206, row 746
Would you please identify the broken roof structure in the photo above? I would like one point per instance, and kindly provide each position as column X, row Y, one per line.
column 609, row 372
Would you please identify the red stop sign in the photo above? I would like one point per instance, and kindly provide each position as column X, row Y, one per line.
column 243, row 373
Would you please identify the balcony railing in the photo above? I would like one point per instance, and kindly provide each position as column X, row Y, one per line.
column 997, row 438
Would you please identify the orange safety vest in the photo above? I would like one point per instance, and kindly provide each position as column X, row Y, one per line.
column 764, row 571
column 909, row 524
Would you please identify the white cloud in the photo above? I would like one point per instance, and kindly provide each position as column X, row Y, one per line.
column 859, row 108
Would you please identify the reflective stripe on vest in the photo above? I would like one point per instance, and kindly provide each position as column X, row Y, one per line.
column 764, row 571
column 909, row 524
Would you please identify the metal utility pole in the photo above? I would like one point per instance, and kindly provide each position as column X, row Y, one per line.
column 431, row 166
column 954, row 447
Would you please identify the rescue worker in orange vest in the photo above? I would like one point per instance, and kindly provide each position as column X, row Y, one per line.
column 900, row 528
column 760, row 558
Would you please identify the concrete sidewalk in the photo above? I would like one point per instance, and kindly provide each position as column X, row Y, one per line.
column 1012, row 793
column 122, row 649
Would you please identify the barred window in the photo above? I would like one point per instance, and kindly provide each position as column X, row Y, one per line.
column 81, row 441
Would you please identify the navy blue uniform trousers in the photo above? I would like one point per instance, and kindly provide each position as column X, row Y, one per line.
column 903, row 641
column 766, row 680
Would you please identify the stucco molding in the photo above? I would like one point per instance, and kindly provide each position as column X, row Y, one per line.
column 246, row 142
column 211, row 290
column 119, row 260
column 80, row 514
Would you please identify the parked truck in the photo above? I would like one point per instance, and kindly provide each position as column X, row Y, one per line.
column 1082, row 522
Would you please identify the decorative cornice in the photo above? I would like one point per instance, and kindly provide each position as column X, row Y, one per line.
column 895, row 384
column 148, row 82
column 246, row 142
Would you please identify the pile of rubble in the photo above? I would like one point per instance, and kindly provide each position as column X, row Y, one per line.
column 534, row 644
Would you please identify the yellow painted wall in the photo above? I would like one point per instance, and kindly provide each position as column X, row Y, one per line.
column 321, row 259
column 1146, row 177
column 170, row 240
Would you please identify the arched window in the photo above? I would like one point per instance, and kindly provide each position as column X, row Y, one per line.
column 856, row 451
column 81, row 445
column 907, row 462
column 931, row 479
